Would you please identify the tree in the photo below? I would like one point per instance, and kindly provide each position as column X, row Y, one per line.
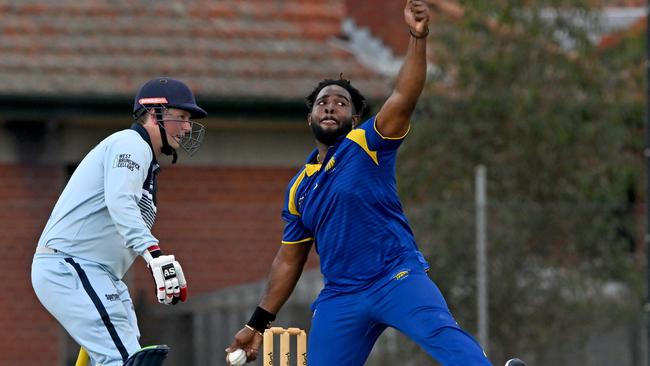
column 557, row 121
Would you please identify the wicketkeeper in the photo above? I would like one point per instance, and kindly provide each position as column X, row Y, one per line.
column 102, row 222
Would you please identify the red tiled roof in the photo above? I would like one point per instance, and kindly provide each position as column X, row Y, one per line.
column 229, row 48
column 623, row 3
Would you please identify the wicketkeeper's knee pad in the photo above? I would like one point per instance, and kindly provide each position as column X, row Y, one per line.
column 148, row 356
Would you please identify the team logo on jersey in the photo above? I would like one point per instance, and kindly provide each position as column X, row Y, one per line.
column 330, row 164
column 401, row 275
column 301, row 199
column 124, row 161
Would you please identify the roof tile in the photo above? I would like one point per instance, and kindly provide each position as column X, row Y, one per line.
column 230, row 48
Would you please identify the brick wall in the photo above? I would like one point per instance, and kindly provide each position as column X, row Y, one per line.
column 30, row 335
column 222, row 223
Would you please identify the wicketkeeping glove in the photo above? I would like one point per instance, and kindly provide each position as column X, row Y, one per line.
column 168, row 275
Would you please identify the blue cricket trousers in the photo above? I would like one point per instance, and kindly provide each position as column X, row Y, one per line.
column 345, row 326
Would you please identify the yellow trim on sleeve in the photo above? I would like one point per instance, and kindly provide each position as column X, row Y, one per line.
column 292, row 194
column 297, row 242
column 309, row 170
column 358, row 135
column 374, row 125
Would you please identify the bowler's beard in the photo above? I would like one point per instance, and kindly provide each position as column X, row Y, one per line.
column 330, row 136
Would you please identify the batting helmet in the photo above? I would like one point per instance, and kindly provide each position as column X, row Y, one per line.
column 168, row 92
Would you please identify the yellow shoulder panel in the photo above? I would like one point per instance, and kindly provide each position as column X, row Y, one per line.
column 359, row 136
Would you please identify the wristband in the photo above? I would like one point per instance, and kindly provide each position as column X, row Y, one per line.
column 151, row 253
column 426, row 33
column 261, row 319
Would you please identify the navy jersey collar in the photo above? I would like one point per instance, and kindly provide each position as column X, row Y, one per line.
column 145, row 136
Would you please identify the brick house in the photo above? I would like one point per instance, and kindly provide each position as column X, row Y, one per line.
column 68, row 72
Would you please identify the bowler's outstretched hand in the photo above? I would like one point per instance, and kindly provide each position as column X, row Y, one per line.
column 416, row 16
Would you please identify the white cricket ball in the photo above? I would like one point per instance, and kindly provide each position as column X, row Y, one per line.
column 237, row 357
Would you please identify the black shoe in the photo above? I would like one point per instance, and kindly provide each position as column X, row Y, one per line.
column 515, row 362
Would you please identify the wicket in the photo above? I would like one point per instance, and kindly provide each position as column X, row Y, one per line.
column 285, row 346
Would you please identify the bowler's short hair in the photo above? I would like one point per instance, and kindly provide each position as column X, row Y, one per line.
column 358, row 100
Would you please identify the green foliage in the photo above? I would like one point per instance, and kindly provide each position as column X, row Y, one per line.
column 558, row 123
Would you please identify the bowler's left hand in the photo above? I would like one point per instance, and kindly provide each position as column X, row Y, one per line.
column 416, row 16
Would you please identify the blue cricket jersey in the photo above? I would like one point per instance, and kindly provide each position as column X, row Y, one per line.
column 349, row 206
